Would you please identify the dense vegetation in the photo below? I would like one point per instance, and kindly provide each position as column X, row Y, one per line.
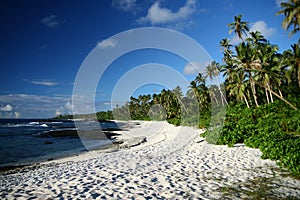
column 273, row 128
column 260, row 93
column 263, row 87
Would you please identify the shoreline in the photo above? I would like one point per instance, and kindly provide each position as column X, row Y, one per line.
column 113, row 135
column 174, row 162
column 106, row 137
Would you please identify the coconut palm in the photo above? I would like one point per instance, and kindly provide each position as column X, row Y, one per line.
column 179, row 97
column 267, row 68
column 291, row 11
column 246, row 59
column 201, row 91
column 238, row 27
column 256, row 39
column 225, row 48
column 200, row 79
column 212, row 71
column 237, row 86
column 268, row 62
column 213, row 91
column 292, row 62
column 170, row 103
column 194, row 88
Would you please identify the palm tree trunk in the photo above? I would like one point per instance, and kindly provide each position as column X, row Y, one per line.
column 196, row 92
column 283, row 99
column 222, row 95
column 252, row 83
column 271, row 96
column 280, row 92
column 246, row 101
column 266, row 91
column 249, row 96
column 181, row 103
column 217, row 102
column 222, row 101
column 277, row 95
column 214, row 96
column 223, row 98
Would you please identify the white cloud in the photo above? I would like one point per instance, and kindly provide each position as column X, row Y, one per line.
column 66, row 109
column 193, row 68
column 235, row 40
column 125, row 5
column 38, row 106
column 158, row 15
column 50, row 21
column 17, row 114
column 69, row 106
column 44, row 83
column 260, row 26
column 58, row 112
column 108, row 43
column 31, row 106
column 82, row 103
column 6, row 108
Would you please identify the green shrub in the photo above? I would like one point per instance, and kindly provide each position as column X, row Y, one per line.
column 273, row 128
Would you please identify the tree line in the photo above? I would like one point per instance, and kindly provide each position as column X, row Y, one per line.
column 255, row 73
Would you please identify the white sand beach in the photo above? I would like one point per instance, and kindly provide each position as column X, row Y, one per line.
column 174, row 163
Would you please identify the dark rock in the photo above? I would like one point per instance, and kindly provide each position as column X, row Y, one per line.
column 60, row 133
column 135, row 141
column 117, row 142
column 89, row 134
column 110, row 135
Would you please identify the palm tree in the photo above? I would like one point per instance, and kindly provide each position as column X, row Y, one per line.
column 237, row 86
column 247, row 60
column 225, row 48
column 134, row 108
column 179, row 96
column 191, row 100
column 170, row 103
column 292, row 62
column 256, row 39
column 213, row 94
column 194, row 88
column 268, row 70
column 145, row 103
column 212, row 71
column 239, row 27
column 200, row 79
column 291, row 11
column 201, row 91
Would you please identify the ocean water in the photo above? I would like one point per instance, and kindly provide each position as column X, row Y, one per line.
column 21, row 141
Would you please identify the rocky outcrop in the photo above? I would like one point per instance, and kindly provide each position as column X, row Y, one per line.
column 131, row 142
column 96, row 134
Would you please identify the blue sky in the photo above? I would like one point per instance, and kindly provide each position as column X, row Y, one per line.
column 44, row 43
